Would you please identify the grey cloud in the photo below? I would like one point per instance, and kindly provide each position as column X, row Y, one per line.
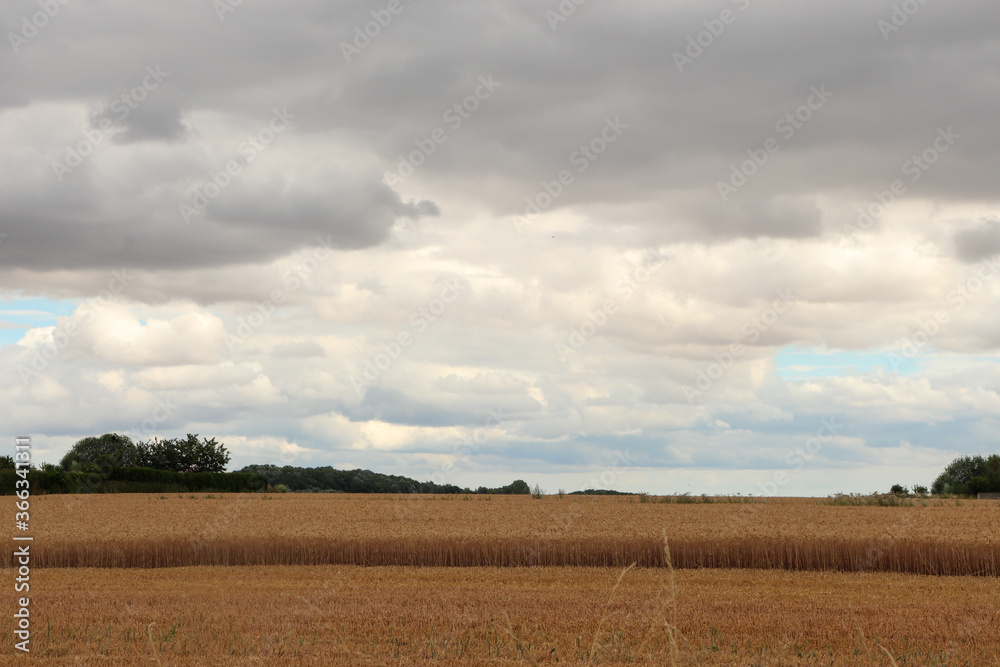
column 372, row 284
column 158, row 117
column 979, row 242
column 750, row 216
column 558, row 86
column 86, row 223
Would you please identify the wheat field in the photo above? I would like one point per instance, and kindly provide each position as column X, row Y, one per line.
column 263, row 579
column 941, row 538
column 348, row 615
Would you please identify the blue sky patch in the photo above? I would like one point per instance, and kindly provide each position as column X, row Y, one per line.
column 796, row 363
column 19, row 315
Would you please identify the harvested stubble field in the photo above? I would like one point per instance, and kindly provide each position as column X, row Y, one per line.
column 149, row 530
column 348, row 615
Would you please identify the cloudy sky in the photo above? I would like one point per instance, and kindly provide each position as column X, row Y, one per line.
column 731, row 246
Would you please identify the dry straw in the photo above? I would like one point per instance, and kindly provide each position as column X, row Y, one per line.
column 915, row 556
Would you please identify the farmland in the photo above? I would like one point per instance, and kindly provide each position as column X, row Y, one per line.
column 398, row 615
column 257, row 516
column 943, row 537
column 255, row 578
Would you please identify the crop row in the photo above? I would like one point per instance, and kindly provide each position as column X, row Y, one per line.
column 826, row 554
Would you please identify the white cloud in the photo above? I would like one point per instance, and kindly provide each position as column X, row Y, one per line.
column 287, row 390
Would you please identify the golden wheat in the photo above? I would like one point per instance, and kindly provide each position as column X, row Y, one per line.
column 174, row 531
column 344, row 615
column 840, row 555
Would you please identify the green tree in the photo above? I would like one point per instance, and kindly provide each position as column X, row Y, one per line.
column 517, row 487
column 969, row 475
column 109, row 449
column 185, row 455
column 7, row 463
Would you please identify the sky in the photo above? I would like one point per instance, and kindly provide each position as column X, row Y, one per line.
column 739, row 246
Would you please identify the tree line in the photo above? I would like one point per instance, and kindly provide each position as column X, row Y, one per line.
column 327, row 479
column 113, row 462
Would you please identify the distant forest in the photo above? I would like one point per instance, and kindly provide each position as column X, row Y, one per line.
column 331, row 480
column 113, row 463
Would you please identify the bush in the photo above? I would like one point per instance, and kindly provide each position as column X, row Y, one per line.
column 598, row 492
column 111, row 448
column 132, row 480
column 192, row 481
column 874, row 500
column 48, row 481
column 114, row 486
column 516, row 488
